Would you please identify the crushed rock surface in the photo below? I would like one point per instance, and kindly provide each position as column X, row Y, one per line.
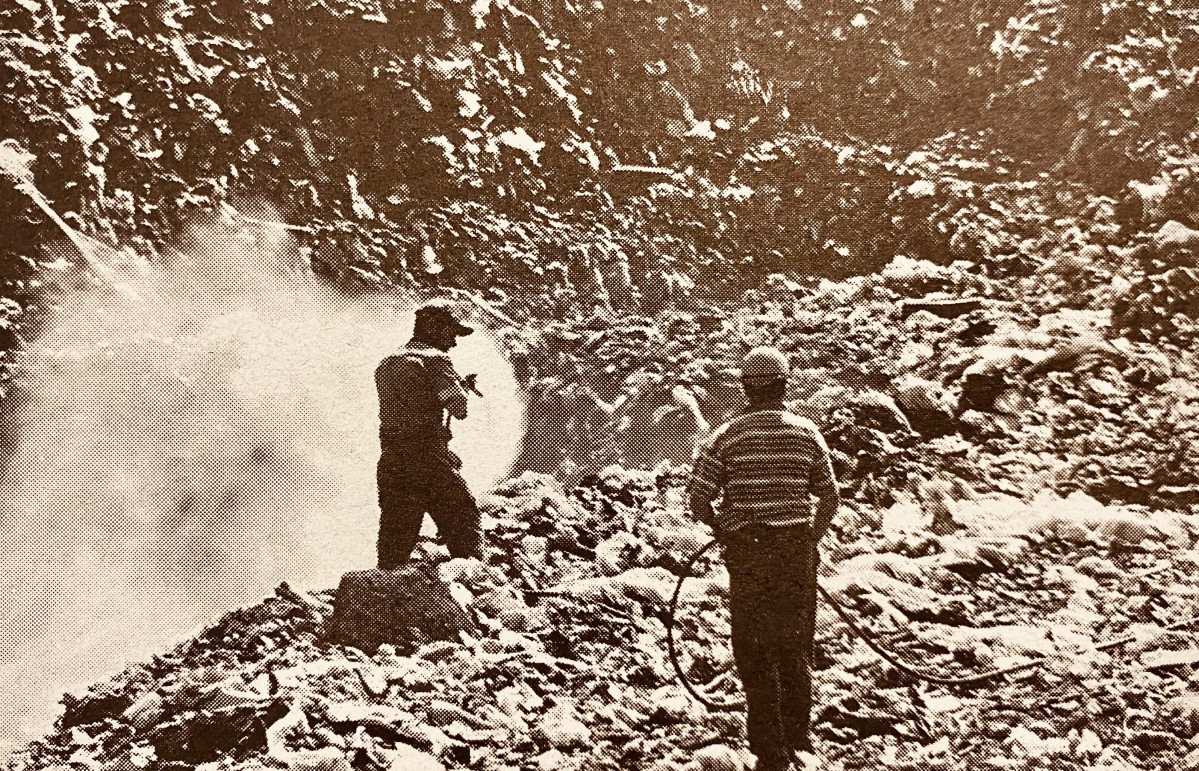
column 569, row 669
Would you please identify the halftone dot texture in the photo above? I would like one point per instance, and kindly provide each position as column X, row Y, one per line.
column 412, row 104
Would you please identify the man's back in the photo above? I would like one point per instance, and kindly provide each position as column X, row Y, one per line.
column 768, row 463
column 410, row 414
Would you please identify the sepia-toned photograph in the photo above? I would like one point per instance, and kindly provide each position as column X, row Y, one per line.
column 599, row 385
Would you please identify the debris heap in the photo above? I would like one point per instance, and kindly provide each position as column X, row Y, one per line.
column 568, row 668
column 929, row 381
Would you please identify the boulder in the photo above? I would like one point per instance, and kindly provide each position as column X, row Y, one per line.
column 945, row 307
column 990, row 375
column 926, row 405
column 373, row 607
column 878, row 410
column 619, row 553
column 203, row 737
column 649, row 585
column 562, row 729
column 407, row 758
column 286, row 730
column 719, row 757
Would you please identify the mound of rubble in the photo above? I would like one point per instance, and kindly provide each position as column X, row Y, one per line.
column 564, row 663
column 932, row 383
column 389, row 135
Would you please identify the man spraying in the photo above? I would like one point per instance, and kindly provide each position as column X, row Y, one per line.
column 768, row 464
column 419, row 392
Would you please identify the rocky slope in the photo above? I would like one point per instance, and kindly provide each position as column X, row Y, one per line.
column 1002, row 362
column 566, row 667
column 395, row 131
column 928, row 381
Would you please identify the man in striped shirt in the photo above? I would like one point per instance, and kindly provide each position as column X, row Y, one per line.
column 768, row 464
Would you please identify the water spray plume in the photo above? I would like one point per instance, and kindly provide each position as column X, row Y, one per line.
column 181, row 454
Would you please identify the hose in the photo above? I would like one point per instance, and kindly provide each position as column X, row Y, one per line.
column 674, row 659
column 884, row 655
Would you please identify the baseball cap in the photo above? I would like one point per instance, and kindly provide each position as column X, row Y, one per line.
column 442, row 312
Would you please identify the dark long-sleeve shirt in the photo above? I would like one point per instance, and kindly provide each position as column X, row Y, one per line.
column 418, row 387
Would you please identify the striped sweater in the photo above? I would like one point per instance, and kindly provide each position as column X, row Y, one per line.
column 767, row 464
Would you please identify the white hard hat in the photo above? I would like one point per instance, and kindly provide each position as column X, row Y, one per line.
column 765, row 363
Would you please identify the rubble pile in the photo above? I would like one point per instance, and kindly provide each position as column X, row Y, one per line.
column 938, row 382
column 376, row 128
column 1003, row 365
column 1161, row 307
column 567, row 666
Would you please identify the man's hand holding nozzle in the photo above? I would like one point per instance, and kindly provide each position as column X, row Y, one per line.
column 469, row 383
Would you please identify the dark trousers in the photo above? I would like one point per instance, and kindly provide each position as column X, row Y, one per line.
column 772, row 599
column 408, row 488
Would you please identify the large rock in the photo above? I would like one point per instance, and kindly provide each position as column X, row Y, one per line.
column 193, row 738
column 384, row 606
column 719, row 757
column 562, row 729
column 926, row 405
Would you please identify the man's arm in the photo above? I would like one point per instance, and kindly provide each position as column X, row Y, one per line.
column 707, row 480
column 701, row 508
column 824, row 487
column 448, row 386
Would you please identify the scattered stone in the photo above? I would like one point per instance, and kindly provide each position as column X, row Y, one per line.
column 1097, row 567
column 373, row 607
column 719, row 757
column 1162, row 659
column 562, row 729
column 407, row 758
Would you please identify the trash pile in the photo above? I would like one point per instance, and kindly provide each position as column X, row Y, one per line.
column 927, row 380
column 373, row 128
column 567, row 666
